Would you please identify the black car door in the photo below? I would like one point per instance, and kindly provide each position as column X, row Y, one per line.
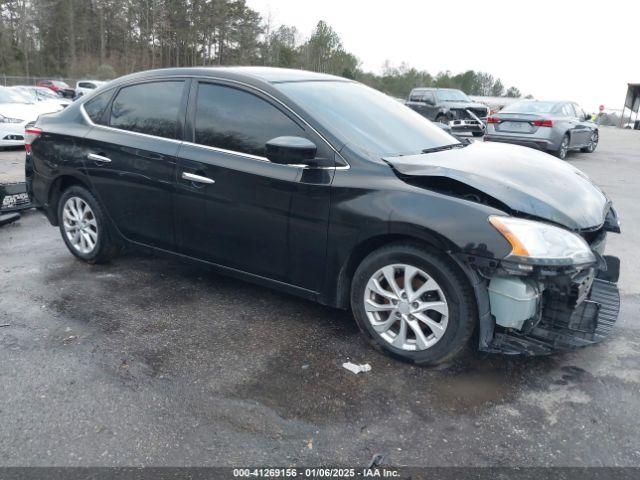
column 130, row 157
column 237, row 209
column 430, row 109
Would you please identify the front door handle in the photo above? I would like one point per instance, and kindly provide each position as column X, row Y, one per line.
column 192, row 177
column 98, row 158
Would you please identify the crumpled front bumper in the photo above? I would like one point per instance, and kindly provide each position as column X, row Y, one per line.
column 563, row 325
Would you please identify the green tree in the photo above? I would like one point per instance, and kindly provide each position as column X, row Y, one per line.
column 513, row 92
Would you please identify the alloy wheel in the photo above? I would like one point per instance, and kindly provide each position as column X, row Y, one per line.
column 406, row 307
column 80, row 225
column 593, row 142
column 564, row 147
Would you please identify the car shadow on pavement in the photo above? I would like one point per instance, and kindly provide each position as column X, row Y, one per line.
column 160, row 320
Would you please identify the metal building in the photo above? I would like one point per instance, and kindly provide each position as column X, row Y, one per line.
column 629, row 118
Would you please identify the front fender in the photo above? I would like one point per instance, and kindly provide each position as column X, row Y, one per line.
column 451, row 223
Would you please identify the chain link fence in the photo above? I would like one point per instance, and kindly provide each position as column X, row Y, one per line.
column 9, row 81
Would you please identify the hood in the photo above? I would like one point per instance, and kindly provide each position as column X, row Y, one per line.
column 525, row 180
column 23, row 111
column 464, row 105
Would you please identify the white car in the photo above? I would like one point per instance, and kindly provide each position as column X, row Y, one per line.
column 16, row 112
column 42, row 94
column 87, row 86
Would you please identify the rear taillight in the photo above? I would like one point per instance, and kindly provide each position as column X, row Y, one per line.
column 542, row 123
column 493, row 120
column 30, row 134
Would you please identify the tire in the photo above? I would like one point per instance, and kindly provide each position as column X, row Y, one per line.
column 95, row 243
column 456, row 319
column 442, row 118
column 562, row 152
column 593, row 143
column 477, row 134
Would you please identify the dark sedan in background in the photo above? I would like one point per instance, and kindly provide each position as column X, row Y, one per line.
column 325, row 188
column 556, row 127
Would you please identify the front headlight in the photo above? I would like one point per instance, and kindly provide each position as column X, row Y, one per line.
column 539, row 243
column 4, row 119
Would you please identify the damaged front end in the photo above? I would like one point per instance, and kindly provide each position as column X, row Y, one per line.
column 555, row 290
column 537, row 306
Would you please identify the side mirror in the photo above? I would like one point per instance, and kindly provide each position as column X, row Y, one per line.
column 290, row 150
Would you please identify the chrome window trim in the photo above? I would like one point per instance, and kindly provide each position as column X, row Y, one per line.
column 237, row 82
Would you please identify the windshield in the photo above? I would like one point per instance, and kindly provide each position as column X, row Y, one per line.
column 46, row 93
column 59, row 84
column 529, row 107
column 366, row 118
column 452, row 96
column 12, row 96
column 26, row 94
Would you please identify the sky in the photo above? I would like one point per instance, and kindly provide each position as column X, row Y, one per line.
column 563, row 49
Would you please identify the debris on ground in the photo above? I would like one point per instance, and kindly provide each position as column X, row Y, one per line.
column 376, row 460
column 352, row 367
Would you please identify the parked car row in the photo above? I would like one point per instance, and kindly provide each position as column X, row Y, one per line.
column 64, row 90
column 556, row 127
column 21, row 105
column 18, row 108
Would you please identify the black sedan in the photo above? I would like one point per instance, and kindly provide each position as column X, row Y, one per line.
column 324, row 188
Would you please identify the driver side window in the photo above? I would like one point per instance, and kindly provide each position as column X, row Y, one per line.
column 429, row 98
column 233, row 119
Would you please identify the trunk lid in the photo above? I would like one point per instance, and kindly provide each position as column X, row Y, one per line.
column 526, row 180
column 518, row 122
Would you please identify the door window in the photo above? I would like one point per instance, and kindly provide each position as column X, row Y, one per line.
column 95, row 107
column 429, row 98
column 150, row 108
column 236, row 120
column 567, row 110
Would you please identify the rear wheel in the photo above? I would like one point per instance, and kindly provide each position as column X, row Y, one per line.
column 593, row 143
column 84, row 226
column 561, row 153
column 413, row 304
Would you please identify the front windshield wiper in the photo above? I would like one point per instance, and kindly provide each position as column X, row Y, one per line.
column 443, row 147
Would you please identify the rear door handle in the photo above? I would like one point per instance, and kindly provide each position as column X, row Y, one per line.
column 192, row 177
column 98, row 158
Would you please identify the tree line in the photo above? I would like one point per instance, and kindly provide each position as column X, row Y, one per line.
column 106, row 38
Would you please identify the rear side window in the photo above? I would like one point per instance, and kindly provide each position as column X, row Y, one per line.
column 150, row 108
column 236, row 120
column 95, row 107
column 567, row 110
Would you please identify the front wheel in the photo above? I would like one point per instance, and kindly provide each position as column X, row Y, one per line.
column 477, row 134
column 413, row 304
column 593, row 143
column 84, row 226
column 561, row 153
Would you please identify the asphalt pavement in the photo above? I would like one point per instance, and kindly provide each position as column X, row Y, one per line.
column 150, row 361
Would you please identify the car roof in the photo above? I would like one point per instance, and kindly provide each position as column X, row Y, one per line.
column 433, row 89
column 260, row 74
